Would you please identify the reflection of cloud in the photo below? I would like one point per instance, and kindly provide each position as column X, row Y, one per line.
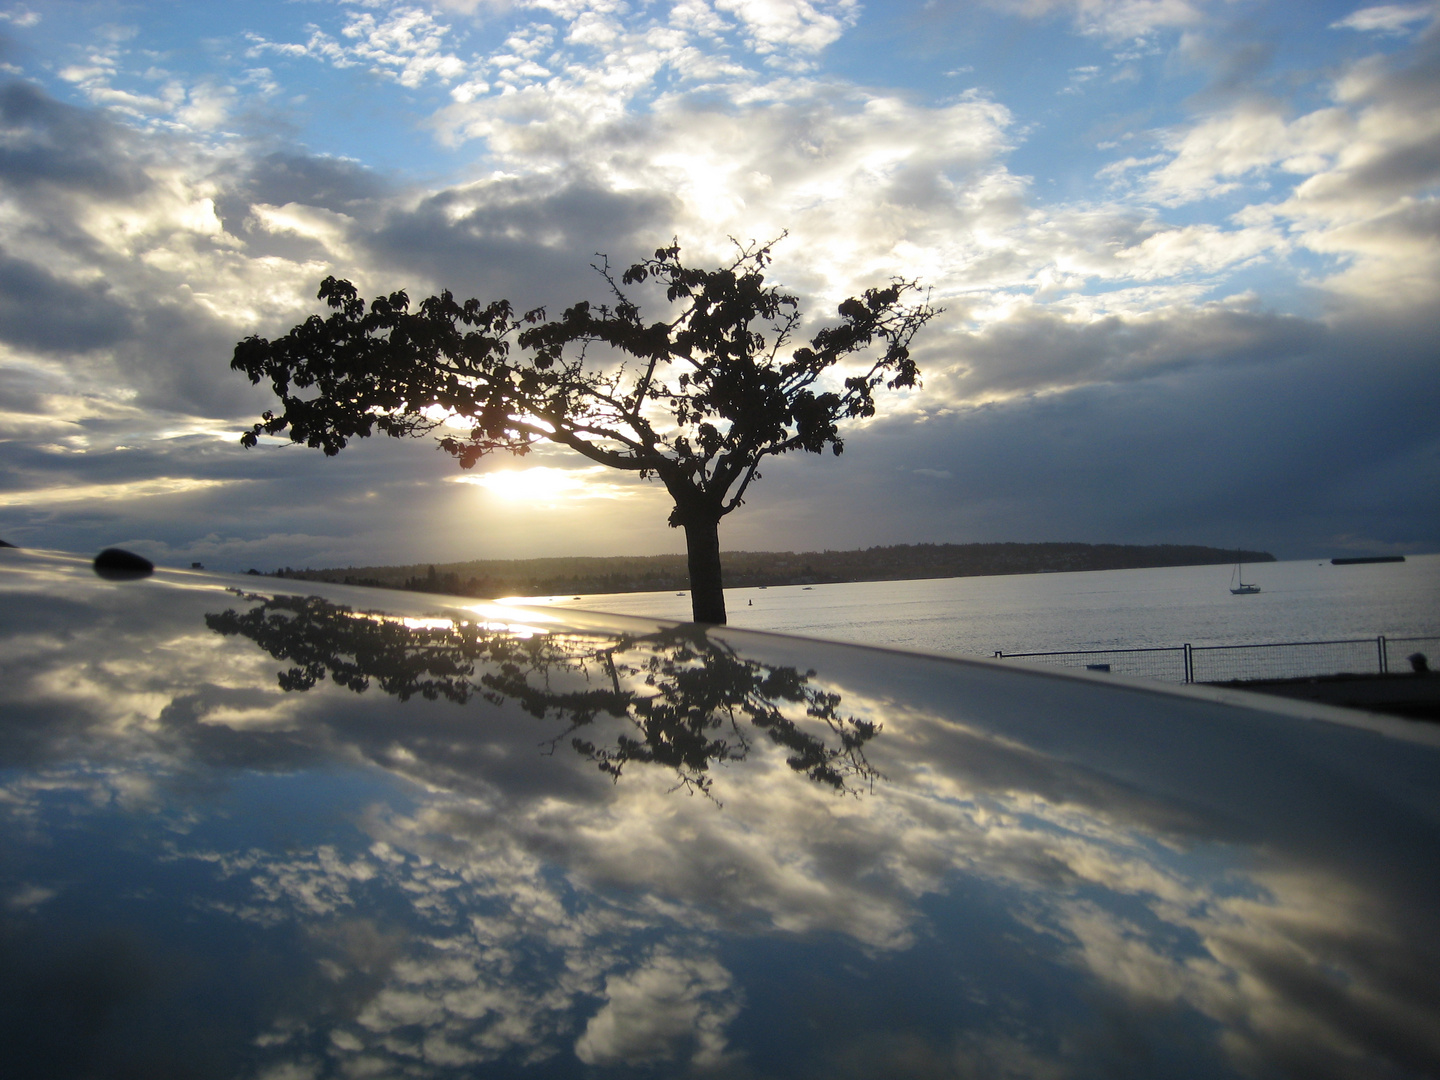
column 666, row 1008
column 1303, row 975
column 28, row 896
column 318, row 885
column 507, row 962
column 468, row 900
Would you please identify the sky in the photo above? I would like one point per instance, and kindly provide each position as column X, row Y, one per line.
column 1188, row 253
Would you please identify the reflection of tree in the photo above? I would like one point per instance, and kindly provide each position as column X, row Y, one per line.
column 691, row 699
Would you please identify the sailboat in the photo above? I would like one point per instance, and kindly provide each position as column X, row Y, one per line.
column 1237, row 580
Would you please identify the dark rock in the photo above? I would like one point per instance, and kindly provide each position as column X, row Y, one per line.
column 117, row 564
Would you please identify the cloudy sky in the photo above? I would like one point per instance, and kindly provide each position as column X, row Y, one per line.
column 1188, row 252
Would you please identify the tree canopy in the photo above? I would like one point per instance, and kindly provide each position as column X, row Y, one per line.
column 698, row 399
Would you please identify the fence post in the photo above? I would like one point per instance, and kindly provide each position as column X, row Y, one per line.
column 1384, row 658
column 1189, row 665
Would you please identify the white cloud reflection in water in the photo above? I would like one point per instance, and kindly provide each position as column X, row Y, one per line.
column 484, row 901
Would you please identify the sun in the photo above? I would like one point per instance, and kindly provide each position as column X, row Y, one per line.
column 542, row 484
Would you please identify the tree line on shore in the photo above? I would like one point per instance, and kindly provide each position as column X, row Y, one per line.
column 750, row 569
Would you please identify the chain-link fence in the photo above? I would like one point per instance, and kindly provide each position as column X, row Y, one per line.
column 1224, row 663
column 1286, row 660
column 1399, row 650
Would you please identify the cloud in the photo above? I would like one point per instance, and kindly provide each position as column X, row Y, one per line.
column 404, row 43
column 155, row 98
column 868, row 186
column 1235, row 427
column 1357, row 178
column 21, row 16
column 531, row 239
column 41, row 312
column 772, row 25
column 595, row 129
column 1386, row 18
column 1038, row 349
column 120, row 271
column 50, row 143
column 93, row 493
column 327, row 183
column 1213, row 156
column 1114, row 20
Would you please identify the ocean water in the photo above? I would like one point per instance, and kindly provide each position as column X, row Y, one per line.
column 1102, row 609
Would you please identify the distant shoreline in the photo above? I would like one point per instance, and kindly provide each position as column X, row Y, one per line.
column 754, row 569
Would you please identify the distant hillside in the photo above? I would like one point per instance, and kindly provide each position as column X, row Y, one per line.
column 653, row 573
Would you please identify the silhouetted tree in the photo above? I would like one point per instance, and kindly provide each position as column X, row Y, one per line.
column 689, row 698
column 698, row 400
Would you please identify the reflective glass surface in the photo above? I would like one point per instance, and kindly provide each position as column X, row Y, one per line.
column 248, row 831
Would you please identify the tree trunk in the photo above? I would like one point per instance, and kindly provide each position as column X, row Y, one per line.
column 707, row 592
